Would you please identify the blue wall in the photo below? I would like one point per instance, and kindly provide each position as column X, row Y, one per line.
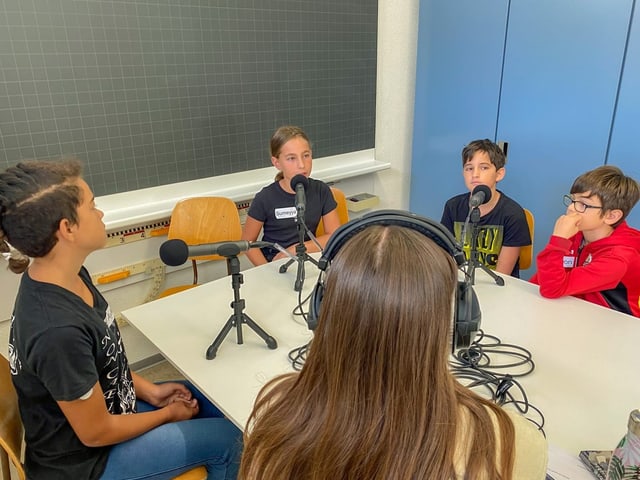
column 623, row 149
column 543, row 76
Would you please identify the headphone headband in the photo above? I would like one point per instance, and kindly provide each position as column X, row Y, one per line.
column 431, row 229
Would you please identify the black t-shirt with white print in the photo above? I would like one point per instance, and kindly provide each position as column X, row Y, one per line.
column 59, row 347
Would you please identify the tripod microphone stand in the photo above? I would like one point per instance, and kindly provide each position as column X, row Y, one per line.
column 301, row 254
column 473, row 252
column 238, row 317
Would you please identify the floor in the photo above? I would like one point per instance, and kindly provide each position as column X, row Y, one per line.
column 160, row 372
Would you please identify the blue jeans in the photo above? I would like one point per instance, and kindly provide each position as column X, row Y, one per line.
column 173, row 448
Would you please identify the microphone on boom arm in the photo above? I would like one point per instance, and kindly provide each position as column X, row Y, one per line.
column 176, row 252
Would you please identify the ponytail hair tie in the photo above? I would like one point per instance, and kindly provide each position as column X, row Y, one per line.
column 12, row 254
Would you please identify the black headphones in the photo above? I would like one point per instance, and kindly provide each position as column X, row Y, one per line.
column 467, row 313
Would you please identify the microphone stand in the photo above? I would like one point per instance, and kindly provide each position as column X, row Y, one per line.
column 473, row 252
column 238, row 317
column 301, row 254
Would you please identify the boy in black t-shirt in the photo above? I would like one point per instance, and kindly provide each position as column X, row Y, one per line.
column 86, row 415
column 503, row 228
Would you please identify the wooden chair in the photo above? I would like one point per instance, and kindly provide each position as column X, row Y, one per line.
column 343, row 211
column 526, row 253
column 11, row 431
column 201, row 220
column 198, row 473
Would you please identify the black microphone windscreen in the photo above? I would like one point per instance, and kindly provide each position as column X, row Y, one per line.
column 484, row 189
column 174, row 252
column 299, row 179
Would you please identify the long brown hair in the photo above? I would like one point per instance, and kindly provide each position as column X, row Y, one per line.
column 281, row 136
column 375, row 398
column 34, row 197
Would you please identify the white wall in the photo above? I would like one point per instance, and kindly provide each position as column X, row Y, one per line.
column 397, row 46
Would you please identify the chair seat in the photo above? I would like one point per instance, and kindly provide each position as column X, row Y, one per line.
column 172, row 290
column 198, row 473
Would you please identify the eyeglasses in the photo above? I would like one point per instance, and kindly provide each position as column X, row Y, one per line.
column 579, row 206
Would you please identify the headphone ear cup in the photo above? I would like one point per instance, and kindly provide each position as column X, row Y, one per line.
column 467, row 316
column 314, row 305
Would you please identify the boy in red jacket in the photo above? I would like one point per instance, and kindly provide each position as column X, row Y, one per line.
column 592, row 253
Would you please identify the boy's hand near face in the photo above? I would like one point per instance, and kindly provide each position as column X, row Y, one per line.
column 567, row 225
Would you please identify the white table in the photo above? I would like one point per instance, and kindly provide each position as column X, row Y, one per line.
column 586, row 379
column 184, row 325
column 586, row 356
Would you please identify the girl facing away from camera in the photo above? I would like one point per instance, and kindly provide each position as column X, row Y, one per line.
column 273, row 210
column 375, row 398
column 86, row 415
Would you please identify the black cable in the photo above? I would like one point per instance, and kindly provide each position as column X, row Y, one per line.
column 493, row 367
column 297, row 356
column 298, row 310
column 477, row 371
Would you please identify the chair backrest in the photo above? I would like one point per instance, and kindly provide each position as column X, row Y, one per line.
column 343, row 211
column 526, row 253
column 11, row 431
column 201, row 220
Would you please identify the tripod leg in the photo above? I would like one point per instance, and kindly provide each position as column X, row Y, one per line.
column 473, row 254
column 238, row 317
column 309, row 258
column 283, row 268
column 300, row 275
column 496, row 278
column 297, row 286
column 269, row 340
column 213, row 349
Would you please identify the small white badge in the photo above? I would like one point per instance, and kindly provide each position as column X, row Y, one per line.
column 285, row 212
column 568, row 262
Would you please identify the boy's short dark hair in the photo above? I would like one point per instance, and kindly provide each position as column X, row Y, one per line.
column 615, row 190
column 496, row 155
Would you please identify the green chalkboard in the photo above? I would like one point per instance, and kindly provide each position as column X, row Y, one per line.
column 153, row 92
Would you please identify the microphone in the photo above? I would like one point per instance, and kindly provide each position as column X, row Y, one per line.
column 480, row 195
column 299, row 184
column 175, row 252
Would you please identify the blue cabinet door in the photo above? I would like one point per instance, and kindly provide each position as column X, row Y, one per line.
column 624, row 149
column 460, row 45
column 562, row 66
